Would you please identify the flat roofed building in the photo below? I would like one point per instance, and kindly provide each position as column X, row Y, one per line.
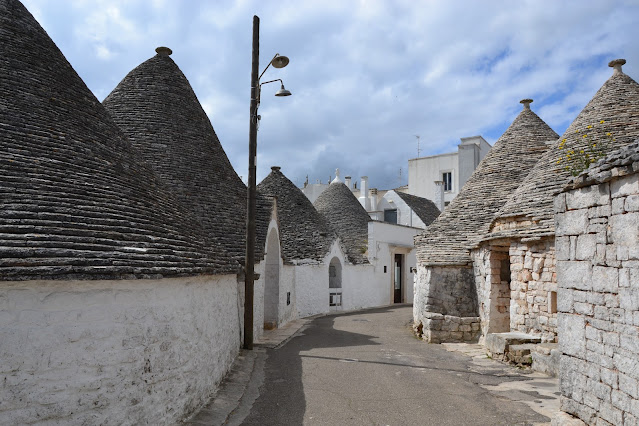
column 453, row 169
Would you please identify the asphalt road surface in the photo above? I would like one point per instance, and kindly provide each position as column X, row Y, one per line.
column 367, row 368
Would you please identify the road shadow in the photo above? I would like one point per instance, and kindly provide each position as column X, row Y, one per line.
column 282, row 400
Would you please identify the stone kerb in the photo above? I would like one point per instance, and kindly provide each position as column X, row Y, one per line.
column 597, row 249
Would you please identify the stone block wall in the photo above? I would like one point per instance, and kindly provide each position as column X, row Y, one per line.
column 493, row 292
column 114, row 352
column 438, row 328
column 598, row 271
column 445, row 304
column 517, row 287
column 533, row 288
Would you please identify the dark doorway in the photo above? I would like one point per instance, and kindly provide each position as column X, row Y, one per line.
column 397, row 278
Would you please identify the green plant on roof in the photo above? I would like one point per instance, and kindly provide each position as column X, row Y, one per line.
column 590, row 146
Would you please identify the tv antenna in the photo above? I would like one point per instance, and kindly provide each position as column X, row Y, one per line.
column 419, row 151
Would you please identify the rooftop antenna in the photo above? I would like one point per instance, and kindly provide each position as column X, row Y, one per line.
column 419, row 151
column 400, row 176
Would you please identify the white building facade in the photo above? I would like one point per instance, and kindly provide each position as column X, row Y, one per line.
column 453, row 169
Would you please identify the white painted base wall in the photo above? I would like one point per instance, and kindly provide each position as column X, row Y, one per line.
column 114, row 352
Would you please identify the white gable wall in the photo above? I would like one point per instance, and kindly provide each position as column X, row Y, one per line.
column 405, row 215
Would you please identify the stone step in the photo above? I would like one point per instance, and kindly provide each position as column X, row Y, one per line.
column 521, row 354
column 499, row 343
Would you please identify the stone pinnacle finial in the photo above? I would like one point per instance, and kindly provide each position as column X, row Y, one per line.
column 526, row 103
column 337, row 179
column 276, row 168
column 163, row 51
column 616, row 64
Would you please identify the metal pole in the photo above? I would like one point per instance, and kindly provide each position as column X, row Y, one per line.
column 250, row 216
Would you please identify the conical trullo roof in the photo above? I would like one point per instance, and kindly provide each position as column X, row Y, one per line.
column 424, row 208
column 157, row 109
column 448, row 239
column 348, row 218
column 77, row 201
column 304, row 233
column 616, row 103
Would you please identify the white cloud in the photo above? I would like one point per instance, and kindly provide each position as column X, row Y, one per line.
column 366, row 76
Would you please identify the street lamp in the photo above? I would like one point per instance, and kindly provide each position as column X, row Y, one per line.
column 278, row 61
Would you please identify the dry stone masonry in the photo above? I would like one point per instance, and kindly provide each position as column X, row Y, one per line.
column 78, row 201
column 304, row 233
column 348, row 218
column 597, row 226
column 446, row 244
column 157, row 109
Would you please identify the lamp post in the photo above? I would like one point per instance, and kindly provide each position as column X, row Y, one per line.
column 278, row 61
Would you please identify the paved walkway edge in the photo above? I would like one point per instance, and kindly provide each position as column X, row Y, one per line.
column 239, row 389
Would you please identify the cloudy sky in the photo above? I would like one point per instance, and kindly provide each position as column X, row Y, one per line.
column 366, row 76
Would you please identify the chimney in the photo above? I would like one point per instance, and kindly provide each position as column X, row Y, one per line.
column 347, row 181
column 526, row 103
column 363, row 194
column 373, row 199
column 616, row 64
column 439, row 195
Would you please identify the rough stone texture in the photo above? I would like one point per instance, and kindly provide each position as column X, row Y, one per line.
column 438, row 328
column 531, row 205
column 157, row 109
column 599, row 311
column 518, row 297
column 533, row 280
column 424, row 208
column 304, row 233
column 114, row 352
column 78, row 202
column 545, row 359
column 498, row 344
column 448, row 239
column 445, row 297
column 348, row 218
column 493, row 288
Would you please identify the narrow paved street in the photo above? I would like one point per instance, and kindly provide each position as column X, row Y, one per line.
column 366, row 368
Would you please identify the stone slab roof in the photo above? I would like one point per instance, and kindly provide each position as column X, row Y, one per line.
column 304, row 233
column 617, row 104
column 424, row 208
column 348, row 218
column 157, row 109
column 448, row 239
column 77, row 200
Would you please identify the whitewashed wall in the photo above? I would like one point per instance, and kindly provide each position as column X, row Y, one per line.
column 311, row 281
column 384, row 241
column 424, row 171
column 114, row 352
column 287, row 312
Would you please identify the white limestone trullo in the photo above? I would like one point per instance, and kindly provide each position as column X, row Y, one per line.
column 446, row 305
column 106, row 280
column 520, row 241
column 298, row 283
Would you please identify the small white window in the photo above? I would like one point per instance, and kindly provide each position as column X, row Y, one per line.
column 447, row 177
